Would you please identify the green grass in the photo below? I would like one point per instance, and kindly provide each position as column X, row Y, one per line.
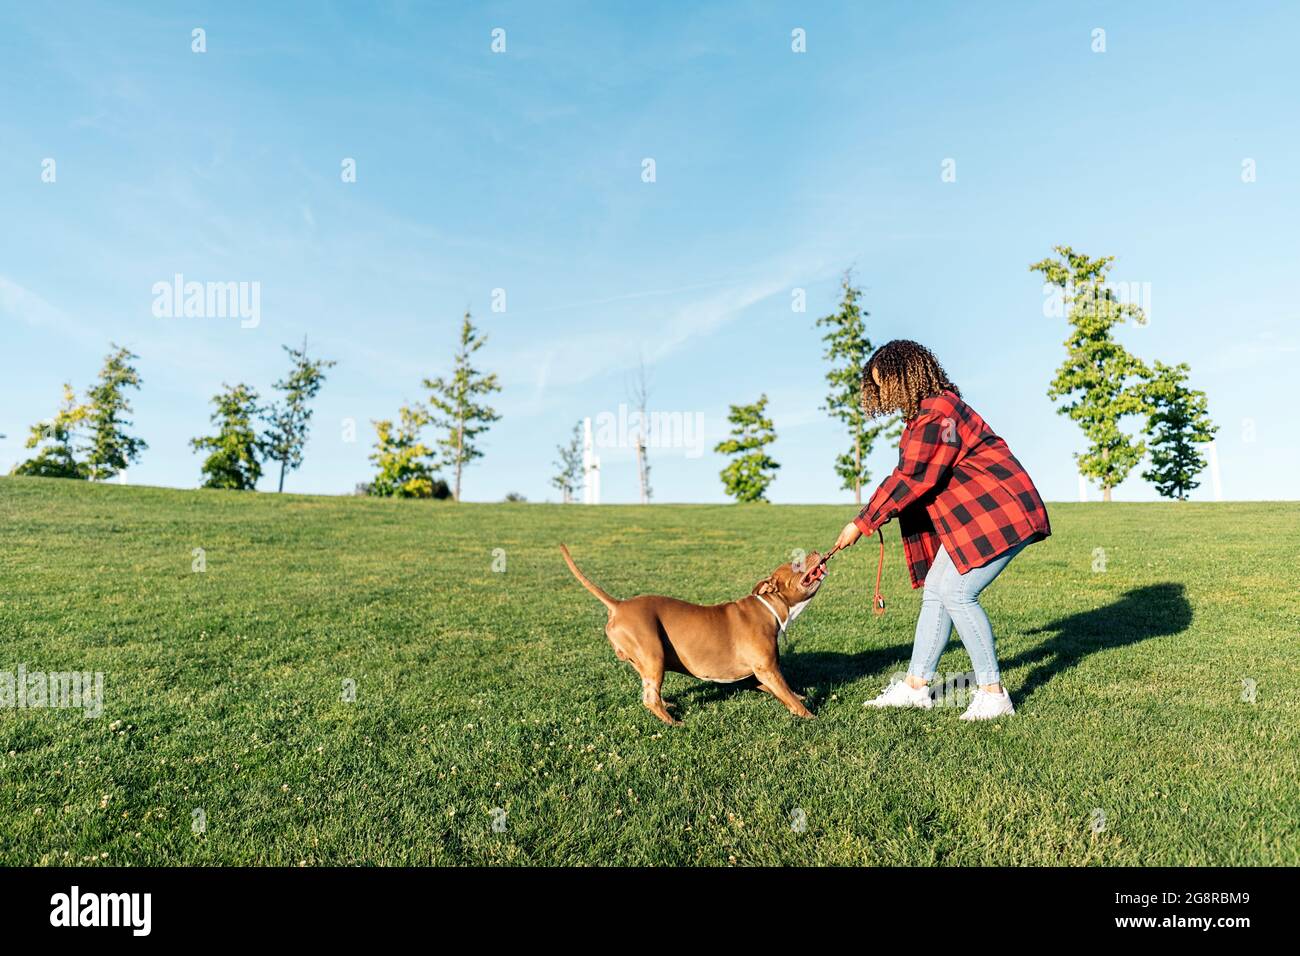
column 478, row 690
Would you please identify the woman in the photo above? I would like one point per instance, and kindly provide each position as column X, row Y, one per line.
column 965, row 508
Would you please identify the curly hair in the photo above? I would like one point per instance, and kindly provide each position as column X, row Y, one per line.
column 909, row 374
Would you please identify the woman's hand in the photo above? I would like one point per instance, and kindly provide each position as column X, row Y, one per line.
column 850, row 534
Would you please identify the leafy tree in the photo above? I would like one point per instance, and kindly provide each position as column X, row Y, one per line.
column 406, row 467
column 1178, row 421
column 111, row 449
column 57, row 459
column 232, row 460
column 747, row 476
column 285, row 438
column 456, row 407
column 847, row 349
column 1101, row 379
column 569, row 477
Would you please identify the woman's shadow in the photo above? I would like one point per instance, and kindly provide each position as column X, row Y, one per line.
column 1156, row 610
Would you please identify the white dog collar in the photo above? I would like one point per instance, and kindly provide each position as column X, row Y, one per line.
column 780, row 626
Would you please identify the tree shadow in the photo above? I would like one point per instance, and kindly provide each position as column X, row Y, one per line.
column 1156, row 610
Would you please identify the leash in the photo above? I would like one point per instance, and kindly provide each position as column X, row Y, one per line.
column 878, row 599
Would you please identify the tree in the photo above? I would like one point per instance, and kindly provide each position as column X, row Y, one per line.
column 406, row 466
column 285, row 438
column 1178, row 421
column 1102, row 380
column 57, row 458
column 569, row 477
column 111, row 449
column 746, row 478
column 232, row 460
column 847, row 349
column 455, row 404
column 641, row 399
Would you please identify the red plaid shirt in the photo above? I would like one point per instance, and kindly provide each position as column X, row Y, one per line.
column 956, row 484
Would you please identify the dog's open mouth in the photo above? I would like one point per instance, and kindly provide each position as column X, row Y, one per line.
column 814, row 575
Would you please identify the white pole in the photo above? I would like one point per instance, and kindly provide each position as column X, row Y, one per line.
column 590, row 467
column 1083, row 489
column 1215, row 483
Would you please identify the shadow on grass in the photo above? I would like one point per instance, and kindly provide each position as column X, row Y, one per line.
column 816, row 674
column 1157, row 610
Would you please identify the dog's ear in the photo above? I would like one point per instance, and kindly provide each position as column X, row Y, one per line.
column 765, row 587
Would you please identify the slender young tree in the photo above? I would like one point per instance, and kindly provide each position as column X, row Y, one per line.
column 405, row 462
column 456, row 404
column 232, row 453
column 1102, row 382
column 110, row 448
column 55, row 438
column 287, row 420
column 1178, row 422
column 847, row 349
column 751, row 469
column 641, row 401
column 568, row 478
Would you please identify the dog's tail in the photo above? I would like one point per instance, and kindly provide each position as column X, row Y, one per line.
column 586, row 582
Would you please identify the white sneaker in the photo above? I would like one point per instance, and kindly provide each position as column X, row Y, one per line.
column 899, row 694
column 986, row 705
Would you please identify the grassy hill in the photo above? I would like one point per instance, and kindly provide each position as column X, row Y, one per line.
column 478, row 691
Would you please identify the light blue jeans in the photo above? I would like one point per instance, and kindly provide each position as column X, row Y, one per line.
column 952, row 598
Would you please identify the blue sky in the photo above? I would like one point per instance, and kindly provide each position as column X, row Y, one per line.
column 522, row 171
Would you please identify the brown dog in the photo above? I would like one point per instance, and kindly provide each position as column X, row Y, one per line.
column 721, row 642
